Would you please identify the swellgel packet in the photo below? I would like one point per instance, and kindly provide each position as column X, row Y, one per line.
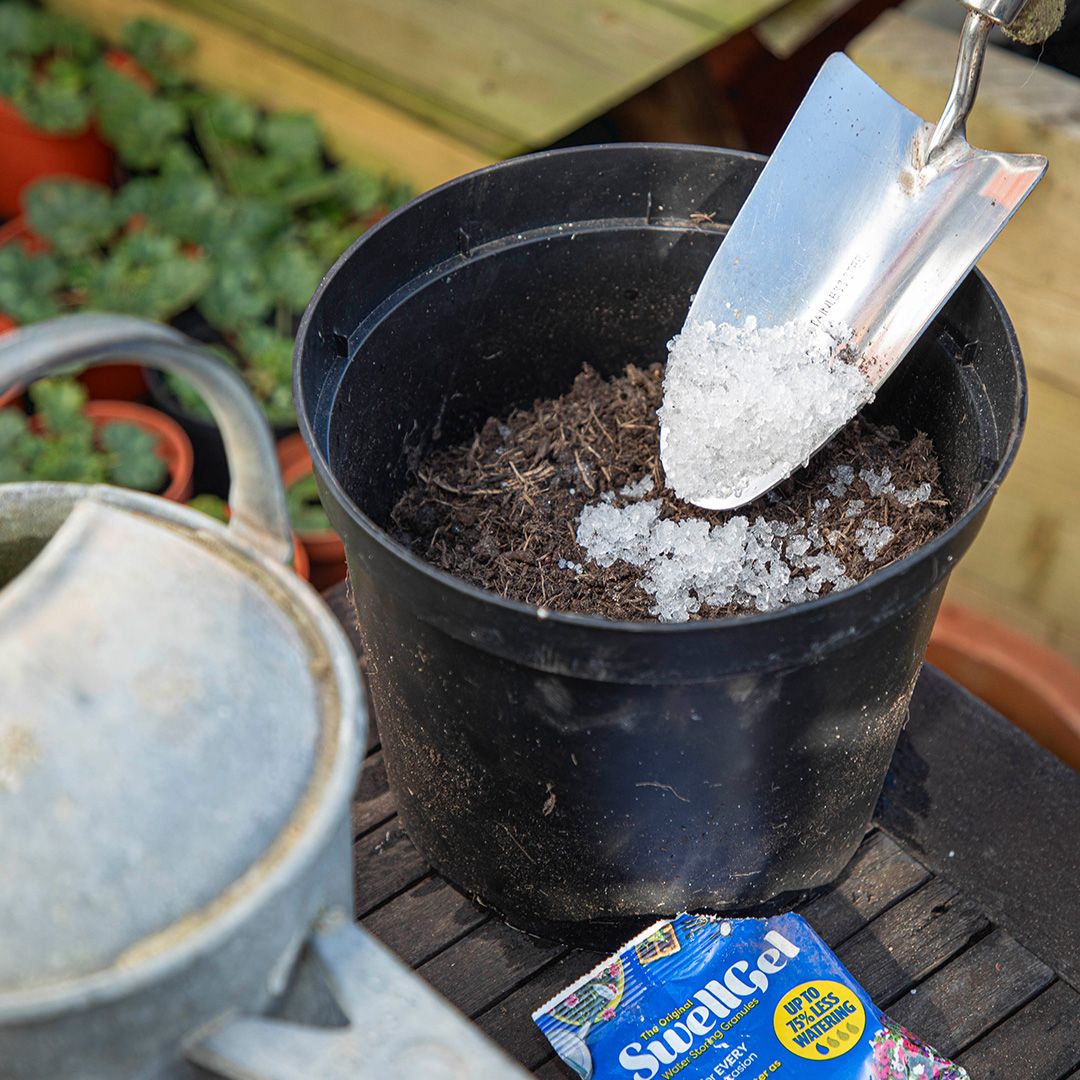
column 730, row 999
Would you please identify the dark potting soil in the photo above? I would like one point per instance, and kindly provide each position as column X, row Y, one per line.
column 501, row 511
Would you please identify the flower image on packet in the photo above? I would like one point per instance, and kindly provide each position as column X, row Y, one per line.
column 730, row 999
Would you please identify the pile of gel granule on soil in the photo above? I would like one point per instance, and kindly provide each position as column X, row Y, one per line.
column 746, row 403
column 564, row 505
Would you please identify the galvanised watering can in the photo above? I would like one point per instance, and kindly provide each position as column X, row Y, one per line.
column 181, row 724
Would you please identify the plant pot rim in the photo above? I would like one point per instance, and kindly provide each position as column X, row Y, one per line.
column 156, row 422
column 444, row 580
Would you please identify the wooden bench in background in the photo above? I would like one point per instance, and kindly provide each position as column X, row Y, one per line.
column 429, row 89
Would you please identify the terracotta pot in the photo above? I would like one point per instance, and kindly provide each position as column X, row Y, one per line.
column 325, row 550
column 14, row 395
column 301, row 563
column 300, row 560
column 15, row 231
column 18, row 230
column 211, row 465
column 1030, row 684
column 115, row 382
column 125, row 64
column 173, row 446
column 27, row 154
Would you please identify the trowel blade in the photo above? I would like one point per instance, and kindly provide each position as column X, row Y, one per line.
column 847, row 225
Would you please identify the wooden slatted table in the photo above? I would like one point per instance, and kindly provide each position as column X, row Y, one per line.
column 959, row 914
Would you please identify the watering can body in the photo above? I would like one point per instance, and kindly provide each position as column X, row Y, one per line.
column 181, row 727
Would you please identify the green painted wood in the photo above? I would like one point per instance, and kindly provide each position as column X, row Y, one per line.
column 339, row 63
column 726, row 16
column 505, row 75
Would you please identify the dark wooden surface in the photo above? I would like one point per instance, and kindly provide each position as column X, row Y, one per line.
column 959, row 913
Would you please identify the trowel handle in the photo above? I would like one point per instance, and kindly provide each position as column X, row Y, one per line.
column 1001, row 12
column 398, row 1025
column 256, row 494
column 982, row 15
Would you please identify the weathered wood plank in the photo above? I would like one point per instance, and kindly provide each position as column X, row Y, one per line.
column 373, row 805
column 555, row 1070
column 487, row 965
column 911, row 939
column 384, row 863
column 1040, row 1042
column 1027, row 555
column 727, row 16
column 967, row 997
column 359, row 127
column 975, row 798
column 505, row 75
column 509, row 1022
column 1024, row 561
column 787, row 30
column 424, row 920
column 879, row 875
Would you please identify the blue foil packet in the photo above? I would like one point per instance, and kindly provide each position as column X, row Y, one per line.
column 730, row 999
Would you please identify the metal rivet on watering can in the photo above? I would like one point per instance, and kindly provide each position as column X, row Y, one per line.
column 180, row 732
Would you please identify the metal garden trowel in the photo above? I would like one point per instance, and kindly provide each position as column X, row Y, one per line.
column 866, row 217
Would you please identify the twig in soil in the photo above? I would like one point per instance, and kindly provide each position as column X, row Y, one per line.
column 584, row 476
column 663, row 787
column 520, row 846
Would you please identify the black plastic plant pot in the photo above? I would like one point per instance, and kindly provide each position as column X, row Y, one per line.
column 579, row 774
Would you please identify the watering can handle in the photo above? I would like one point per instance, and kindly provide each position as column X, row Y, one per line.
column 398, row 1025
column 256, row 495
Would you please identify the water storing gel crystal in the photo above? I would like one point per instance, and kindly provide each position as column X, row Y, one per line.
column 730, row 999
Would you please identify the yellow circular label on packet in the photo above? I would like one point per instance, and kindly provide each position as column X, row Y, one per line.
column 819, row 1020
